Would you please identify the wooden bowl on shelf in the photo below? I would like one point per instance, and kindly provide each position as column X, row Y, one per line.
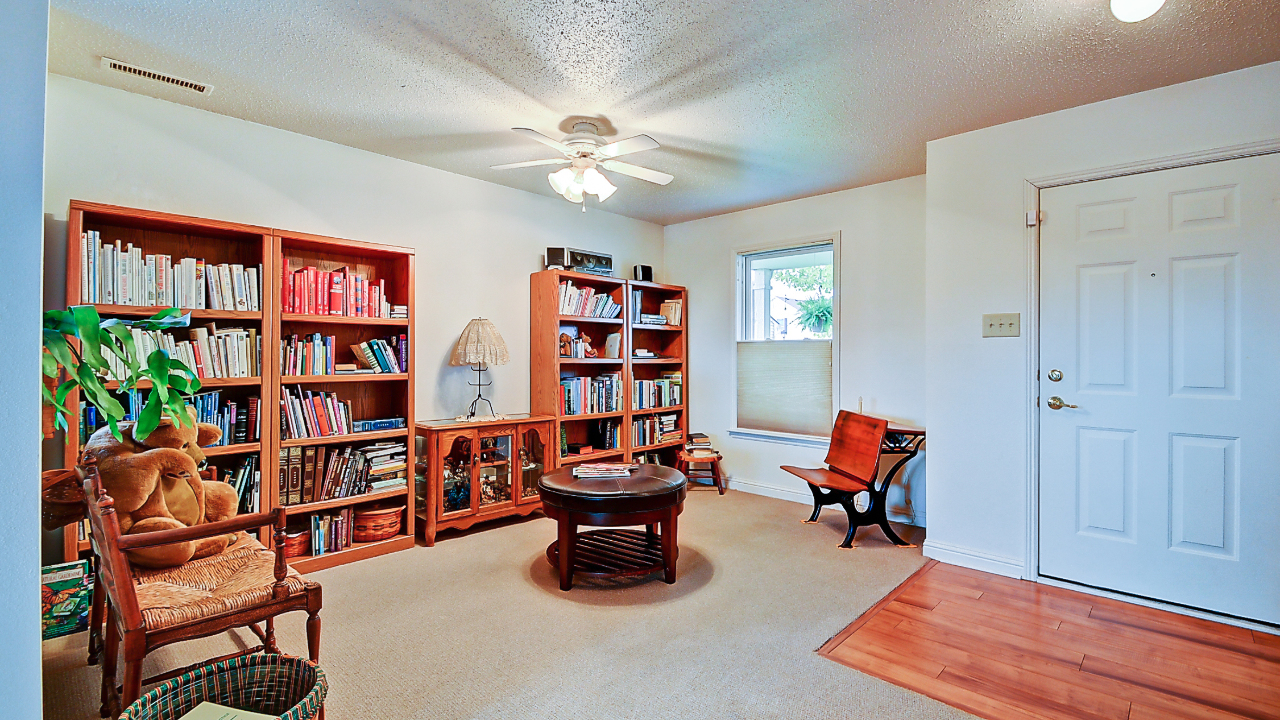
column 376, row 523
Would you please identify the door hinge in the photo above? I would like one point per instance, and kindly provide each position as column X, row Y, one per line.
column 1035, row 217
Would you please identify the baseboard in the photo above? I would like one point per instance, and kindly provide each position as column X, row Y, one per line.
column 973, row 559
column 805, row 498
column 773, row 491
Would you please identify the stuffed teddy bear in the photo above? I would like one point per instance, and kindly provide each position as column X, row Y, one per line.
column 156, row 485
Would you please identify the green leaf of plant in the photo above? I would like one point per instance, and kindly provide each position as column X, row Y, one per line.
column 120, row 342
column 163, row 320
column 178, row 410
column 60, row 321
column 87, row 325
column 65, row 389
column 149, row 418
column 48, row 365
column 115, row 429
column 57, row 345
column 158, row 372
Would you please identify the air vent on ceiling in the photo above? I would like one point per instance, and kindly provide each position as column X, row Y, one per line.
column 124, row 67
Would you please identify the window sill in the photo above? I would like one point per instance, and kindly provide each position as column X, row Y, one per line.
column 780, row 438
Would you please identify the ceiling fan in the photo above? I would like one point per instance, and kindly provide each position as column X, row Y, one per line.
column 585, row 152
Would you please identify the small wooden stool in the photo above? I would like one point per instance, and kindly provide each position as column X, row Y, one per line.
column 711, row 472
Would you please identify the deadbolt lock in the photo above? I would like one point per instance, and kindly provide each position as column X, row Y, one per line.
column 1055, row 375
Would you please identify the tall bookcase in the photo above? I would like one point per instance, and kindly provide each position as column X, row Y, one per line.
column 379, row 395
column 548, row 367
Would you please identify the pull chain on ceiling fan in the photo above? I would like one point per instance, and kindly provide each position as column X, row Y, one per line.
column 585, row 152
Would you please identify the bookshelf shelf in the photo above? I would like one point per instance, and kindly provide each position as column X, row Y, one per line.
column 342, row 320
column 350, row 438
column 584, row 318
column 659, row 446
column 272, row 252
column 591, row 361
column 592, row 416
column 196, row 314
column 355, row 551
column 547, row 368
column 345, row 501
column 652, row 410
column 205, row 383
column 234, row 449
column 342, row 378
column 591, row 456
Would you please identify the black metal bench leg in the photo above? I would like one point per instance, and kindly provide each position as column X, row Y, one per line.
column 817, row 503
column 880, row 509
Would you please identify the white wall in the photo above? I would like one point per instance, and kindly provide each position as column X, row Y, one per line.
column 24, row 39
column 476, row 242
column 977, row 253
column 881, row 320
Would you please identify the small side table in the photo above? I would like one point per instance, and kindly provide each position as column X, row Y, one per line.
column 686, row 461
column 651, row 496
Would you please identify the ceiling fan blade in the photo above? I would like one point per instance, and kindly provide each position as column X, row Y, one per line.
column 626, row 147
column 636, row 171
column 531, row 163
column 535, row 135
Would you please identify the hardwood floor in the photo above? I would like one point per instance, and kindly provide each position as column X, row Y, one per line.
column 1002, row 648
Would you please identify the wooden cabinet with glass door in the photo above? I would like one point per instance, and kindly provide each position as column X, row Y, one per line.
column 477, row 471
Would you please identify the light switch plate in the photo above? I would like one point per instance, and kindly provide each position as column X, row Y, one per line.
column 1001, row 325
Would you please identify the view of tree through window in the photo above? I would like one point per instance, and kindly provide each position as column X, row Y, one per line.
column 790, row 294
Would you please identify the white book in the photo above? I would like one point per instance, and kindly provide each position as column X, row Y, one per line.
column 84, row 267
column 251, row 279
column 238, row 289
column 189, row 283
column 107, row 275
column 122, row 298
column 224, row 275
column 211, row 278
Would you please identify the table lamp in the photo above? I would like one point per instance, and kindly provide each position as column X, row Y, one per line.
column 480, row 345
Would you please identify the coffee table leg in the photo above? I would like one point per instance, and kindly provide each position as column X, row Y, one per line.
column 669, row 547
column 566, row 546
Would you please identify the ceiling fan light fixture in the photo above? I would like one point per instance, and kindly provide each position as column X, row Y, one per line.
column 1132, row 11
column 594, row 182
column 561, row 180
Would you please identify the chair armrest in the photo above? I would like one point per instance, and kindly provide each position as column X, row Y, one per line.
column 200, row 532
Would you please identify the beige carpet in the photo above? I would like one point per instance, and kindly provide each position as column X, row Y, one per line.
column 476, row 627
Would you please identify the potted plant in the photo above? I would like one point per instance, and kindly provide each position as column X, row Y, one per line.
column 80, row 351
column 816, row 314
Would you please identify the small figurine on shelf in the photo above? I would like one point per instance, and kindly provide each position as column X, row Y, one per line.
column 566, row 345
column 587, row 350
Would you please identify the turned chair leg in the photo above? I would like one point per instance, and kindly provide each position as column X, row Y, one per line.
column 110, row 651
column 132, row 689
column 269, row 637
column 717, row 476
column 313, row 637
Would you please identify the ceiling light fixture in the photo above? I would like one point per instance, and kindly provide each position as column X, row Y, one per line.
column 582, row 177
column 1132, row 11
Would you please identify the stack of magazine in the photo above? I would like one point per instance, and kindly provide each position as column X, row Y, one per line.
column 603, row 470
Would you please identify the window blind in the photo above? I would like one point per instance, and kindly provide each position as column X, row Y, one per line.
column 785, row 386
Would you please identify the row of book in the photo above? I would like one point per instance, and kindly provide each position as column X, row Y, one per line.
column 316, row 473
column 585, row 396
column 585, row 302
column 307, row 414
column 116, row 274
column 331, row 532
column 307, row 354
column 91, row 421
column 654, row 429
column 311, row 291
column 246, row 479
column 389, row 354
column 601, row 435
column 666, row 391
column 670, row 312
column 239, row 420
column 210, row 352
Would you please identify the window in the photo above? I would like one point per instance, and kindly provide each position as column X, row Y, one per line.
column 785, row 346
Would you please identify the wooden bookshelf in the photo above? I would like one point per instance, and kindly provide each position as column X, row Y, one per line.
column 371, row 395
column 547, row 367
column 180, row 236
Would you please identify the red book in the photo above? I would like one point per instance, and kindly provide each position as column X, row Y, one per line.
column 311, row 291
column 335, row 292
column 297, row 284
column 286, row 289
column 322, row 418
column 324, row 296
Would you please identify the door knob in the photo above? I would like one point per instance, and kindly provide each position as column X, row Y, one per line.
column 1057, row 403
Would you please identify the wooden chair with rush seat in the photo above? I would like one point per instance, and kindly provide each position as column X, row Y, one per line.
column 853, row 467
column 242, row 586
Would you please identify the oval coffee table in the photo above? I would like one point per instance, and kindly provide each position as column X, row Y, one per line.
column 652, row 495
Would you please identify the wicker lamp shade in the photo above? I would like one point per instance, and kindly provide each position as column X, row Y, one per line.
column 480, row 343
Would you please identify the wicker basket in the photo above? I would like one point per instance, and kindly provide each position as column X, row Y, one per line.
column 288, row 688
column 376, row 523
column 297, row 544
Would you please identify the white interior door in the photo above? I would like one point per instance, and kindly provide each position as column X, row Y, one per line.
column 1160, row 309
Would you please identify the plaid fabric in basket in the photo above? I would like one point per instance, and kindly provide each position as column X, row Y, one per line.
column 291, row 688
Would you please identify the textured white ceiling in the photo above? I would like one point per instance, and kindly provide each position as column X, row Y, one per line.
column 753, row 102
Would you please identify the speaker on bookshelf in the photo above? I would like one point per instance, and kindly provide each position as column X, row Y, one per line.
column 642, row 272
